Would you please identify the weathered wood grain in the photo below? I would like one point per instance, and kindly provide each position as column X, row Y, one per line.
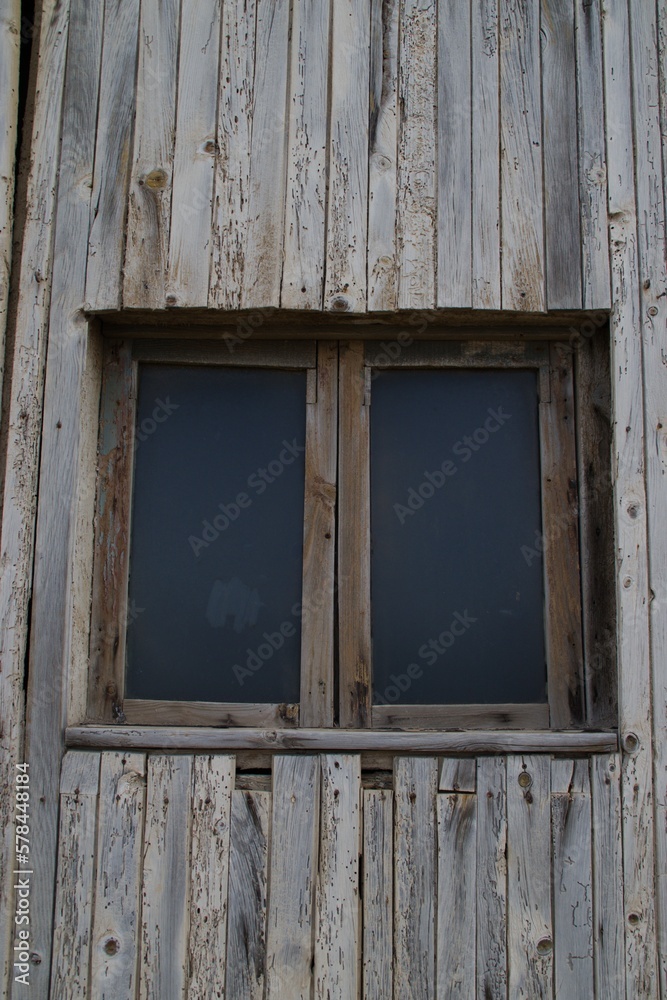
column 151, row 175
column 529, row 929
column 382, row 169
column 316, row 707
column 485, row 171
column 572, row 879
column 491, row 879
column 347, row 206
column 248, row 877
column 458, row 774
column 522, row 193
column 417, row 170
column 337, row 932
column 145, row 711
column 457, row 879
column 608, row 913
column 209, row 865
column 232, row 162
column 419, row 717
column 120, row 854
column 190, row 236
column 454, row 213
column 266, row 210
column 79, row 785
column 10, row 38
column 415, row 861
column 632, row 585
column 165, row 888
column 592, row 156
column 307, row 156
column 377, row 944
column 113, row 152
column 293, row 875
column 561, row 176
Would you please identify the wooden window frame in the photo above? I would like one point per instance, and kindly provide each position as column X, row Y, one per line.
column 105, row 701
column 562, row 584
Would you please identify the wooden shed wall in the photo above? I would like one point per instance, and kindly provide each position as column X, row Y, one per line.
column 340, row 157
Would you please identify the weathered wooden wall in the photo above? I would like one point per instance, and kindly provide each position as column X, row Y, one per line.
column 346, row 157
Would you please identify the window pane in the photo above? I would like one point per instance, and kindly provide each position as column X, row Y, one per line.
column 217, row 535
column 457, row 610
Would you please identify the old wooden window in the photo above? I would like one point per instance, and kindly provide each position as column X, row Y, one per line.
column 320, row 534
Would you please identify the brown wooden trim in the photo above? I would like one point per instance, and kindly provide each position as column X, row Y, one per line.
column 145, row 712
column 319, row 545
column 354, row 541
column 248, row 354
column 413, row 717
column 456, row 354
column 560, row 535
column 112, row 535
column 343, row 740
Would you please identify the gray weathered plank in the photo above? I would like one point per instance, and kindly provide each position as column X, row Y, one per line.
column 306, row 187
column 522, row 194
column 491, row 879
column 10, row 38
column 166, row 879
column 608, row 913
column 190, row 237
column 457, row 879
column 79, row 785
column 529, row 930
column 248, row 877
column 213, row 781
column 293, row 873
column 415, row 784
column 377, row 944
column 561, row 176
column 151, row 175
column 382, row 141
column 454, row 230
column 113, row 150
column 572, row 879
column 458, row 774
column 116, row 923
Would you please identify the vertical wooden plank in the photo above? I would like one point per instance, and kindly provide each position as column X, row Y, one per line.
column 592, row 156
column 415, row 784
column 306, row 188
column 572, row 879
column 117, row 919
column 485, row 155
column 213, row 781
column 458, row 774
column 522, row 193
column 561, row 175
column 337, row 933
column 266, row 210
column 292, row 877
column 316, row 706
column 454, row 229
column 417, row 195
column 457, row 879
column 10, row 38
column 248, row 876
column 382, row 141
column 166, row 901
column 608, row 935
column 354, row 587
column 632, row 587
column 190, row 237
column 151, row 175
column 347, row 207
column 377, row 946
column 491, row 879
column 232, row 163
column 79, row 786
column 106, row 242
column 652, row 245
column 529, row 935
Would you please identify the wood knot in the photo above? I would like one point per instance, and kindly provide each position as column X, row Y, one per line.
column 340, row 303
column 525, row 779
column 111, row 946
column 544, row 946
column 156, row 180
column 631, row 743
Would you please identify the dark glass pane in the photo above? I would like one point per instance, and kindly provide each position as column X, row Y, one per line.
column 217, row 535
column 457, row 610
